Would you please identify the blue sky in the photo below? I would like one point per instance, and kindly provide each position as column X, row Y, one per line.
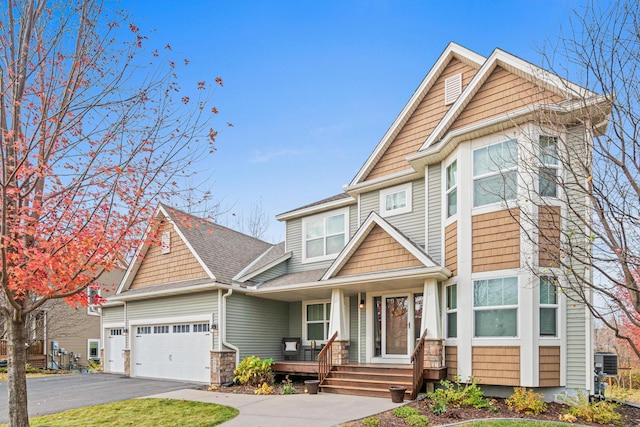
column 311, row 87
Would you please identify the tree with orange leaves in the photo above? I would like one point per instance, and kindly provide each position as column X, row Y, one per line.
column 88, row 145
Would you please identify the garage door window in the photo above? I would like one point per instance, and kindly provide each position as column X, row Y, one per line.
column 164, row 329
column 142, row 330
column 201, row 327
column 181, row 329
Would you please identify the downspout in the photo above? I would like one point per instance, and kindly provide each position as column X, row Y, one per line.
column 223, row 326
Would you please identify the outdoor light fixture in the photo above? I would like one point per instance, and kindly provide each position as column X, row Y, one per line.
column 125, row 332
column 362, row 303
column 214, row 327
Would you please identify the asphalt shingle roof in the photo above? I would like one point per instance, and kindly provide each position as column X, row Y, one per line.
column 223, row 250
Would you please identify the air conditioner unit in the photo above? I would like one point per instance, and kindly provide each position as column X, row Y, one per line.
column 607, row 363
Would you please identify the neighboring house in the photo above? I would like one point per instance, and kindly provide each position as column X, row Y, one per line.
column 62, row 336
column 425, row 242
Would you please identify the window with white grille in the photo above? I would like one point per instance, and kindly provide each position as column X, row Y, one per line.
column 452, row 88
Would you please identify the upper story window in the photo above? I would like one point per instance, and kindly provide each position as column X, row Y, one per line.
column 548, row 173
column 93, row 294
column 395, row 200
column 325, row 235
column 452, row 188
column 495, row 174
column 495, row 307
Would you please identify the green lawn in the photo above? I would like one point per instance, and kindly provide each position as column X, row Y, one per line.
column 141, row 413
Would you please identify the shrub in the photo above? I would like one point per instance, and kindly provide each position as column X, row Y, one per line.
column 601, row 412
column 417, row 420
column 371, row 421
column 454, row 394
column 253, row 371
column 405, row 411
column 264, row 389
column 287, row 386
column 526, row 401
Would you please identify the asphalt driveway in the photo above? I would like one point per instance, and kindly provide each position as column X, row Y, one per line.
column 59, row 393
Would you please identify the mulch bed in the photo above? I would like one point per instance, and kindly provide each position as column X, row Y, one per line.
column 630, row 414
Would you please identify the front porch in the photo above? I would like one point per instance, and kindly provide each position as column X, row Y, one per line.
column 35, row 353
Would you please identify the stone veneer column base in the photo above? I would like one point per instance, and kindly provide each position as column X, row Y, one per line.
column 433, row 351
column 127, row 361
column 223, row 363
column 101, row 368
column 340, row 352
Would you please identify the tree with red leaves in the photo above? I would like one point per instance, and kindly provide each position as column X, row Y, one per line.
column 92, row 136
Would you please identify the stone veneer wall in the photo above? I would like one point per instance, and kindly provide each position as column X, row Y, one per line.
column 433, row 351
column 223, row 363
column 340, row 353
column 127, row 361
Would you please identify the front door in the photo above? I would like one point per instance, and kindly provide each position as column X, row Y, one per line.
column 396, row 326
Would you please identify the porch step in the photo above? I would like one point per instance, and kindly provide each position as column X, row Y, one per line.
column 369, row 381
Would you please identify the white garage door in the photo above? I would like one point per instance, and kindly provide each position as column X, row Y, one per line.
column 115, row 351
column 178, row 351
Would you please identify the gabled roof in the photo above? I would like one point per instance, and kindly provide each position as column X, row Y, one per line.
column 365, row 229
column 453, row 50
column 269, row 259
column 336, row 201
column 220, row 251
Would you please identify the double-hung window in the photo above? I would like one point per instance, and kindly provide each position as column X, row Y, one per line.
column 395, row 200
column 495, row 173
column 452, row 311
column 93, row 349
column 548, row 307
column 495, row 307
column 93, row 295
column 324, row 236
column 317, row 320
column 452, row 188
column 548, row 172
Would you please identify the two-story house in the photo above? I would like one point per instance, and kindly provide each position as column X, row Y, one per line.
column 423, row 261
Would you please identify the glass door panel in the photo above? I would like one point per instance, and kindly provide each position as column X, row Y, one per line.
column 396, row 325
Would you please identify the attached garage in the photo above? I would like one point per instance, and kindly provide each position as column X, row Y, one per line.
column 114, row 351
column 176, row 351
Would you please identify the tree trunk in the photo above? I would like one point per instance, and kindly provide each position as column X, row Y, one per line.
column 17, row 381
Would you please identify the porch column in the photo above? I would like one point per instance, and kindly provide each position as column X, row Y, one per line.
column 338, row 316
column 127, row 362
column 431, row 310
column 338, row 323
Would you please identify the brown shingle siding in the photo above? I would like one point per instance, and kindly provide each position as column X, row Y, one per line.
column 496, row 241
column 496, row 365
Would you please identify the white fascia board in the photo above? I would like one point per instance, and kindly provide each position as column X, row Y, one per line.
column 137, row 258
column 450, row 51
column 242, row 278
column 191, row 249
column 439, row 273
column 167, row 292
column 372, row 220
column 384, row 181
column 316, row 209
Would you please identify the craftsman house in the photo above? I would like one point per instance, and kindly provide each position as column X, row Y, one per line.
column 419, row 268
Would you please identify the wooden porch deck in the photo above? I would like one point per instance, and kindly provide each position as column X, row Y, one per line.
column 310, row 368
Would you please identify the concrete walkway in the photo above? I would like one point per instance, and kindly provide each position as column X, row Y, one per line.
column 294, row 410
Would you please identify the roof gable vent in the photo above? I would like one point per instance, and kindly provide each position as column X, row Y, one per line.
column 452, row 88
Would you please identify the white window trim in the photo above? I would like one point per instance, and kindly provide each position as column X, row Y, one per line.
column 323, row 215
column 555, row 306
column 495, row 307
column 89, row 341
column 93, row 309
column 496, row 173
column 407, row 188
column 555, row 166
column 305, row 340
column 449, row 311
column 450, row 190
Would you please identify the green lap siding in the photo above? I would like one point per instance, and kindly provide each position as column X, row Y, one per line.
column 434, row 212
column 353, row 330
column 113, row 314
column 295, row 319
column 257, row 325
